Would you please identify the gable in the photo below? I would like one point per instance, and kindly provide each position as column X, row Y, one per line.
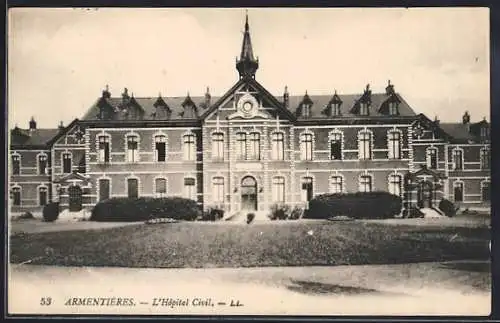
column 247, row 100
column 426, row 129
column 73, row 134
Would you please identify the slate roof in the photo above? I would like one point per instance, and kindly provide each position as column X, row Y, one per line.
column 320, row 102
column 461, row 132
column 37, row 137
column 148, row 105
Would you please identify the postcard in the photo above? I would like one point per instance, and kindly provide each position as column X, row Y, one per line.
column 262, row 161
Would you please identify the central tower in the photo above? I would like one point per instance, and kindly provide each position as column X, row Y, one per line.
column 247, row 65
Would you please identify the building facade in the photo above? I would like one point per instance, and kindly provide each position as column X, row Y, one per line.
column 249, row 149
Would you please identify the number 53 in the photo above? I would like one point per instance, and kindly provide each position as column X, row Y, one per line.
column 45, row 301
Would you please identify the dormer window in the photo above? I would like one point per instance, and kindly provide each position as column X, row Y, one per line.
column 485, row 133
column 306, row 110
column 363, row 109
column 335, row 109
column 393, row 108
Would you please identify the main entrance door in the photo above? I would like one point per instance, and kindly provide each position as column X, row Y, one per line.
column 75, row 198
column 425, row 194
column 248, row 194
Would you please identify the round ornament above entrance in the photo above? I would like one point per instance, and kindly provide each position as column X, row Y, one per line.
column 248, row 105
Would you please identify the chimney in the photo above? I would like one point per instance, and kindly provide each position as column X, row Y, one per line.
column 207, row 98
column 286, row 98
column 105, row 93
column 61, row 126
column 125, row 96
column 368, row 93
column 436, row 121
column 466, row 118
column 32, row 124
column 389, row 90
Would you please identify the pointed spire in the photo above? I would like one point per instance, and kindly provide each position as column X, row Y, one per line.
column 247, row 65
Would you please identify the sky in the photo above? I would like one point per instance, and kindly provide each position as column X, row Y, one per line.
column 60, row 60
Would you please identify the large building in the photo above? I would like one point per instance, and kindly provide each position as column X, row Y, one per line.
column 250, row 149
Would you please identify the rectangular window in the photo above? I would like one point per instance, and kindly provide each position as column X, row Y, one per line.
column 190, row 188
column 133, row 188
column 458, row 159
column 335, row 109
column 42, row 164
column 277, row 146
column 218, row 146
column 160, row 148
column 16, row 196
column 218, row 189
column 306, row 146
column 363, row 109
column 365, row 145
column 394, row 143
column 278, row 193
column 189, row 150
column 254, row 152
column 486, row 191
column 432, row 158
column 103, row 189
column 66, row 163
column 16, row 165
column 336, row 146
column 306, row 110
column 485, row 158
column 458, row 192
column 132, row 149
column 104, row 149
column 307, row 189
column 336, row 184
column 395, row 185
column 393, row 108
column 241, row 146
column 42, row 195
column 365, row 184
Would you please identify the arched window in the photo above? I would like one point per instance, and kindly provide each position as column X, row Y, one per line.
column 132, row 148
column 365, row 145
column 104, row 141
column 336, row 146
column 42, row 164
column 189, row 147
column 218, row 189
column 394, row 144
column 16, row 196
column 458, row 191
column 432, row 158
column 486, row 191
column 458, row 159
column 42, row 195
column 67, row 162
column 241, row 146
column 190, row 188
column 365, row 183
column 485, row 158
column 133, row 187
column 104, row 189
column 16, row 164
column 278, row 192
column 336, row 184
column 161, row 148
column 306, row 149
column 307, row 189
column 218, row 146
column 395, row 183
column 277, row 146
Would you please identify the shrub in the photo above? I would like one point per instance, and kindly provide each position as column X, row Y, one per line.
column 279, row 212
column 26, row 216
column 296, row 213
column 448, row 208
column 360, row 205
column 51, row 212
column 213, row 214
column 145, row 208
column 250, row 217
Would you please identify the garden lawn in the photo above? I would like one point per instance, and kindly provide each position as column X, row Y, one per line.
column 290, row 243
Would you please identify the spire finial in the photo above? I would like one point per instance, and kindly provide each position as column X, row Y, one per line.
column 107, row 87
column 246, row 20
column 335, row 91
column 389, row 82
column 208, row 90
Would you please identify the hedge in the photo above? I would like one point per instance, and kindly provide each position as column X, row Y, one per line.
column 145, row 208
column 448, row 208
column 360, row 205
column 51, row 212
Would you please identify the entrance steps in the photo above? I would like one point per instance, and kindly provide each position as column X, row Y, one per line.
column 431, row 213
column 68, row 216
column 241, row 217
